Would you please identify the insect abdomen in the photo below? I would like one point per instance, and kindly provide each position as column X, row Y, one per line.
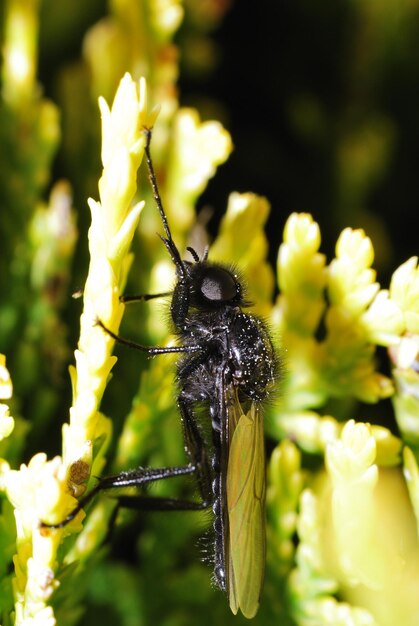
column 254, row 357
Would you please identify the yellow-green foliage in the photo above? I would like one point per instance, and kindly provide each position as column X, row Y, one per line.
column 342, row 494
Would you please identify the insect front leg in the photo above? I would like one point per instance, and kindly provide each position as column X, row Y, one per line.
column 150, row 350
column 144, row 297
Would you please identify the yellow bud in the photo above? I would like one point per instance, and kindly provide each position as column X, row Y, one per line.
column 6, row 388
column 404, row 290
column 356, row 246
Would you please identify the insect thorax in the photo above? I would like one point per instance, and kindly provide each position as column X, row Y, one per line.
column 236, row 343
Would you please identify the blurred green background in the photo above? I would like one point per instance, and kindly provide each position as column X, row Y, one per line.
column 320, row 99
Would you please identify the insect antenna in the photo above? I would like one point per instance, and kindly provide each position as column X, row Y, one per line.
column 168, row 240
column 193, row 254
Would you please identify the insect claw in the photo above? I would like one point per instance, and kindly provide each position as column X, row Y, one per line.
column 98, row 322
column 148, row 132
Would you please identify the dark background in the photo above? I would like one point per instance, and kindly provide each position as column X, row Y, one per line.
column 299, row 78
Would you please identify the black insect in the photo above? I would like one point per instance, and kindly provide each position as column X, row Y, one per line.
column 228, row 365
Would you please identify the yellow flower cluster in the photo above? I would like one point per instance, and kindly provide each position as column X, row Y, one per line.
column 286, row 480
column 354, row 475
column 331, row 320
column 347, row 354
column 136, row 37
column 34, row 489
column 357, row 534
column 311, row 585
column 355, row 318
column 197, row 148
column 19, row 52
column 247, row 214
column 372, row 544
column 114, row 221
column 301, row 276
column 42, row 490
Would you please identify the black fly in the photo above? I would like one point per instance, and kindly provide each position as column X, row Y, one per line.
column 228, row 365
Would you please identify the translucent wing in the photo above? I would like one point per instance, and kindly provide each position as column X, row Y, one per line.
column 246, row 485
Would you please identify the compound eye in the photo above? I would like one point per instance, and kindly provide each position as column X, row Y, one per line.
column 219, row 285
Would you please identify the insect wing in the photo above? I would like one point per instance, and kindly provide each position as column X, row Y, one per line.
column 246, row 486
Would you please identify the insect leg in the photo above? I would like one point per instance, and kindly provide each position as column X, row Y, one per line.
column 144, row 297
column 198, row 464
column 151, row 350
column 195, row 449
column 218, row 410
column 145, row 503
column 133, row 478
